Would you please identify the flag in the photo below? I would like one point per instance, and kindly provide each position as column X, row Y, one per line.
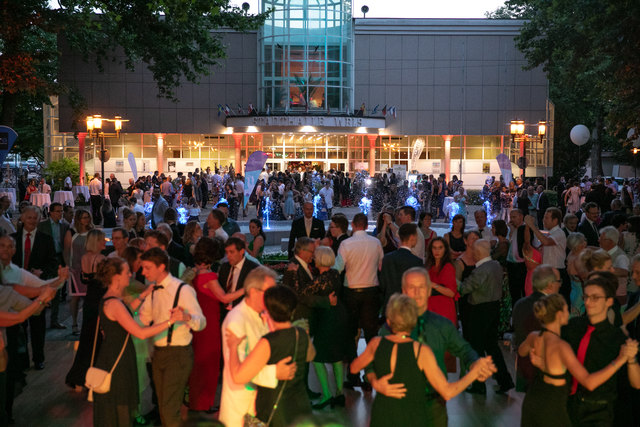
column 227, row 109
column 392, row 110
column 250, row 108
column 220, row 109
column 240, row 109
column 384, row 110
column 375, row 109
column 134, row 167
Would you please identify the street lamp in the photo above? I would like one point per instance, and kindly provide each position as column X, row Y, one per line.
column 94, row 128
column 517, row 130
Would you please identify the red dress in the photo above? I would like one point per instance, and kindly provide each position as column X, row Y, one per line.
column 207, row 348
column 440, row 304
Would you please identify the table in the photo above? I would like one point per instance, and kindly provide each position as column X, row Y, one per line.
column 10, row 193
column 40, row 199
column 80, row 189
column 64, row 197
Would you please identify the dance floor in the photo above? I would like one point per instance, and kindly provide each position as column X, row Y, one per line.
column 47, row 402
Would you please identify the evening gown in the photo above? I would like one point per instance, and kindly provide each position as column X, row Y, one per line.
column 90, row 312
column 289, row 206
column 411, row 410
column 207, row 348
column 329, row 337
column 117, row 407
column 440, row 304
column 545, row 405
column 294, row 401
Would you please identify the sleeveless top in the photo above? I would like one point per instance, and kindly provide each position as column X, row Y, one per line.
column 457, row 243
column 466, row 272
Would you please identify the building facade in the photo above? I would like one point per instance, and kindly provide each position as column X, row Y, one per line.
column 315, row 87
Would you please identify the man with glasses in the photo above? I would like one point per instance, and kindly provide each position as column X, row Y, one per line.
column 596, row 343
column 54, row 227
column 120, row 239
column 545, row 280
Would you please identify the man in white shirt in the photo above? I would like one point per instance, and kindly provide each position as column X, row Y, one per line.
column 173, row 356
column 214, row 224
column 68, row 184
column 245, row 320
column 405, row 215
column 44, row 187
column 95, row 195
column 553, row 244
column 485, row 232
column 360, row 256
column 619, row 260
column 326, row 193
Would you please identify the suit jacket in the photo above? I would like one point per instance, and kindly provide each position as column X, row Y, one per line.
column 115, row 191
column 46, row 225
column 298, row 230
column 484, row 284
column 41, row 254
column 543, row 204
column 592, row 236
column 394, row 264
column 225, row 269
column 298, row 281
column 176, row 250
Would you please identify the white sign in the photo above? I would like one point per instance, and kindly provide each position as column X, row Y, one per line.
column 323, row 121
column 400, row 171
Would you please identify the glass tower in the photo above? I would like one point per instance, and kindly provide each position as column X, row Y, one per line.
column 306, row 56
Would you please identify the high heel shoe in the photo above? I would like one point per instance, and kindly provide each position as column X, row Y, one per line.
column 337, row 401
column 323, row 404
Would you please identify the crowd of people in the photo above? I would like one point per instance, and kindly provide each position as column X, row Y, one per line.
column 174, row 307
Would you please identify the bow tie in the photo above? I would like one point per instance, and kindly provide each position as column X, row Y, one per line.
column 156, row 287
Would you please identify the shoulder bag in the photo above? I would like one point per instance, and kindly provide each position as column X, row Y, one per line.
column 98, row 380
column 253, row 421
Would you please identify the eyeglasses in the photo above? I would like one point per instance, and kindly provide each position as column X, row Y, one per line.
column 594, row 298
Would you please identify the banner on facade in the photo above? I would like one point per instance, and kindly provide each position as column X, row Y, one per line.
column 416, row 151
column 400, row 171
column 505, row 167
column 8, row 137
column 252, row 170
column 134, row 167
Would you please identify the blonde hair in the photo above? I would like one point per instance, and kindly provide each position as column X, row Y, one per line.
column 94, row 238
column 545, row 308
column 594, row 259
column 324, row 256
column 402, row 313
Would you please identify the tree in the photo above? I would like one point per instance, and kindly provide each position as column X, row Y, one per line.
column 58, row 170
column 173, row 38
column 587, row 48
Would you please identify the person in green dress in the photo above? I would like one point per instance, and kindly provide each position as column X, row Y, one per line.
column 412, row 364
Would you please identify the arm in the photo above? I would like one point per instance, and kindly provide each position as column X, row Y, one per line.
column 544, row 239
column 366, row 357
column 292, row 240
column 115, row 310
column 527, row 345
column 188, row 303
column 457, row 346
column 38, row 304
column 220, row 294
column 593, row 380
column 311, row 350
column 242, row 373
column 448, row 287
column 470, row 284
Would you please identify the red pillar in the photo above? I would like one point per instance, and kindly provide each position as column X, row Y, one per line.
column 81, row 139
column 447, row 156
column 237, row 139
column 372, row 154
column 160, row 153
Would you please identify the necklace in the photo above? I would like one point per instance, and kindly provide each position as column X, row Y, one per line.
column 554, row 333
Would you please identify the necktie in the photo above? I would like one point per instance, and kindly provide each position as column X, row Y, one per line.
column 230, row 279
column 582, row 353
column 595, row 228
column 27, row 251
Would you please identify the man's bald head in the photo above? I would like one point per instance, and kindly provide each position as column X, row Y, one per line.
column 481, row 249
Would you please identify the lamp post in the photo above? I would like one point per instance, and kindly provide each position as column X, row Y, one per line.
column 94, row 128
column 517, row 130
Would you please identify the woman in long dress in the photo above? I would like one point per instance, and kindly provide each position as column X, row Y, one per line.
column 289, row 205
column 284, row 340
column 412, row 364
column 572, row 198
column 545, row 403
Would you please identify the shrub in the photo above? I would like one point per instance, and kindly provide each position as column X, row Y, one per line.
column 58, row 170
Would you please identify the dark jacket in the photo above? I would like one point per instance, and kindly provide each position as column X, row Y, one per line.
column 298, row 230
column 45, row 227
column 298, row 281
column 225, row 269
column 592, row 236
column 41, row 254
column 394, row 264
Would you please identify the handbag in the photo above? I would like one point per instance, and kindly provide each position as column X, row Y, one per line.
column 253, row 421
column 98, row 380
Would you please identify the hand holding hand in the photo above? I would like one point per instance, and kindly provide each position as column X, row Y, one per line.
column 629, row 349
column 381, row 385
column 286, row 369
column 63, row 272
column 333, row 299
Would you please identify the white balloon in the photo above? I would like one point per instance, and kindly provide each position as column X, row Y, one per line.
column 635, row 142
column 580, row 135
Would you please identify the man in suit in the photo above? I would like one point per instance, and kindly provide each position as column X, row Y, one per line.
column 160, row 206
column 589, row 226
column 546, row 280
column 174, row 249
column 307, row 226
column 157, row 239
column 541, row 205
column 115, row 191
column 484, row 287
column 395, row 263
column 233, row 272
column 55, row 228
column 34, row 250
column 516, row 269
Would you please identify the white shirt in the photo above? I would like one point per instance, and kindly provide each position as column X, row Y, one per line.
column 304, row 265
column 308, row 223
column 235, row 270
column 95, row 186
column 482, row 261
column 12, row 274
column 156, row 307
column 327, row 195
column 67, row 182
column 45, row 189
column 32, row 237
column 361, row 257
column 555, row 255
column 6, row 225
column 222, row 234
column 620, row 260
column 238, row 399
column 486, row 233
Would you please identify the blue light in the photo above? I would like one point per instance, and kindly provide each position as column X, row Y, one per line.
column 221, row 200
column 365, row 205
column 183, row 215
column 413, row 202
column 148, row 207
column 266, row 212
column 487, row 208
column 316, row 202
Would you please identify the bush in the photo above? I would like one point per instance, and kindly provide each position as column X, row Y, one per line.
column 58, row 170
column 474, row 198
column 552, row 197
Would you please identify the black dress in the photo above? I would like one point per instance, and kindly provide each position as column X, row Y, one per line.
column 294, row 401
column 116, row 408
column 457, row 243
column 415, row 408
column 330, row 335
column 90, row 312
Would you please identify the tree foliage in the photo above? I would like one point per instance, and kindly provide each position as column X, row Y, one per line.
column 588, row 50
column 172, row 37
column 58, row 170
